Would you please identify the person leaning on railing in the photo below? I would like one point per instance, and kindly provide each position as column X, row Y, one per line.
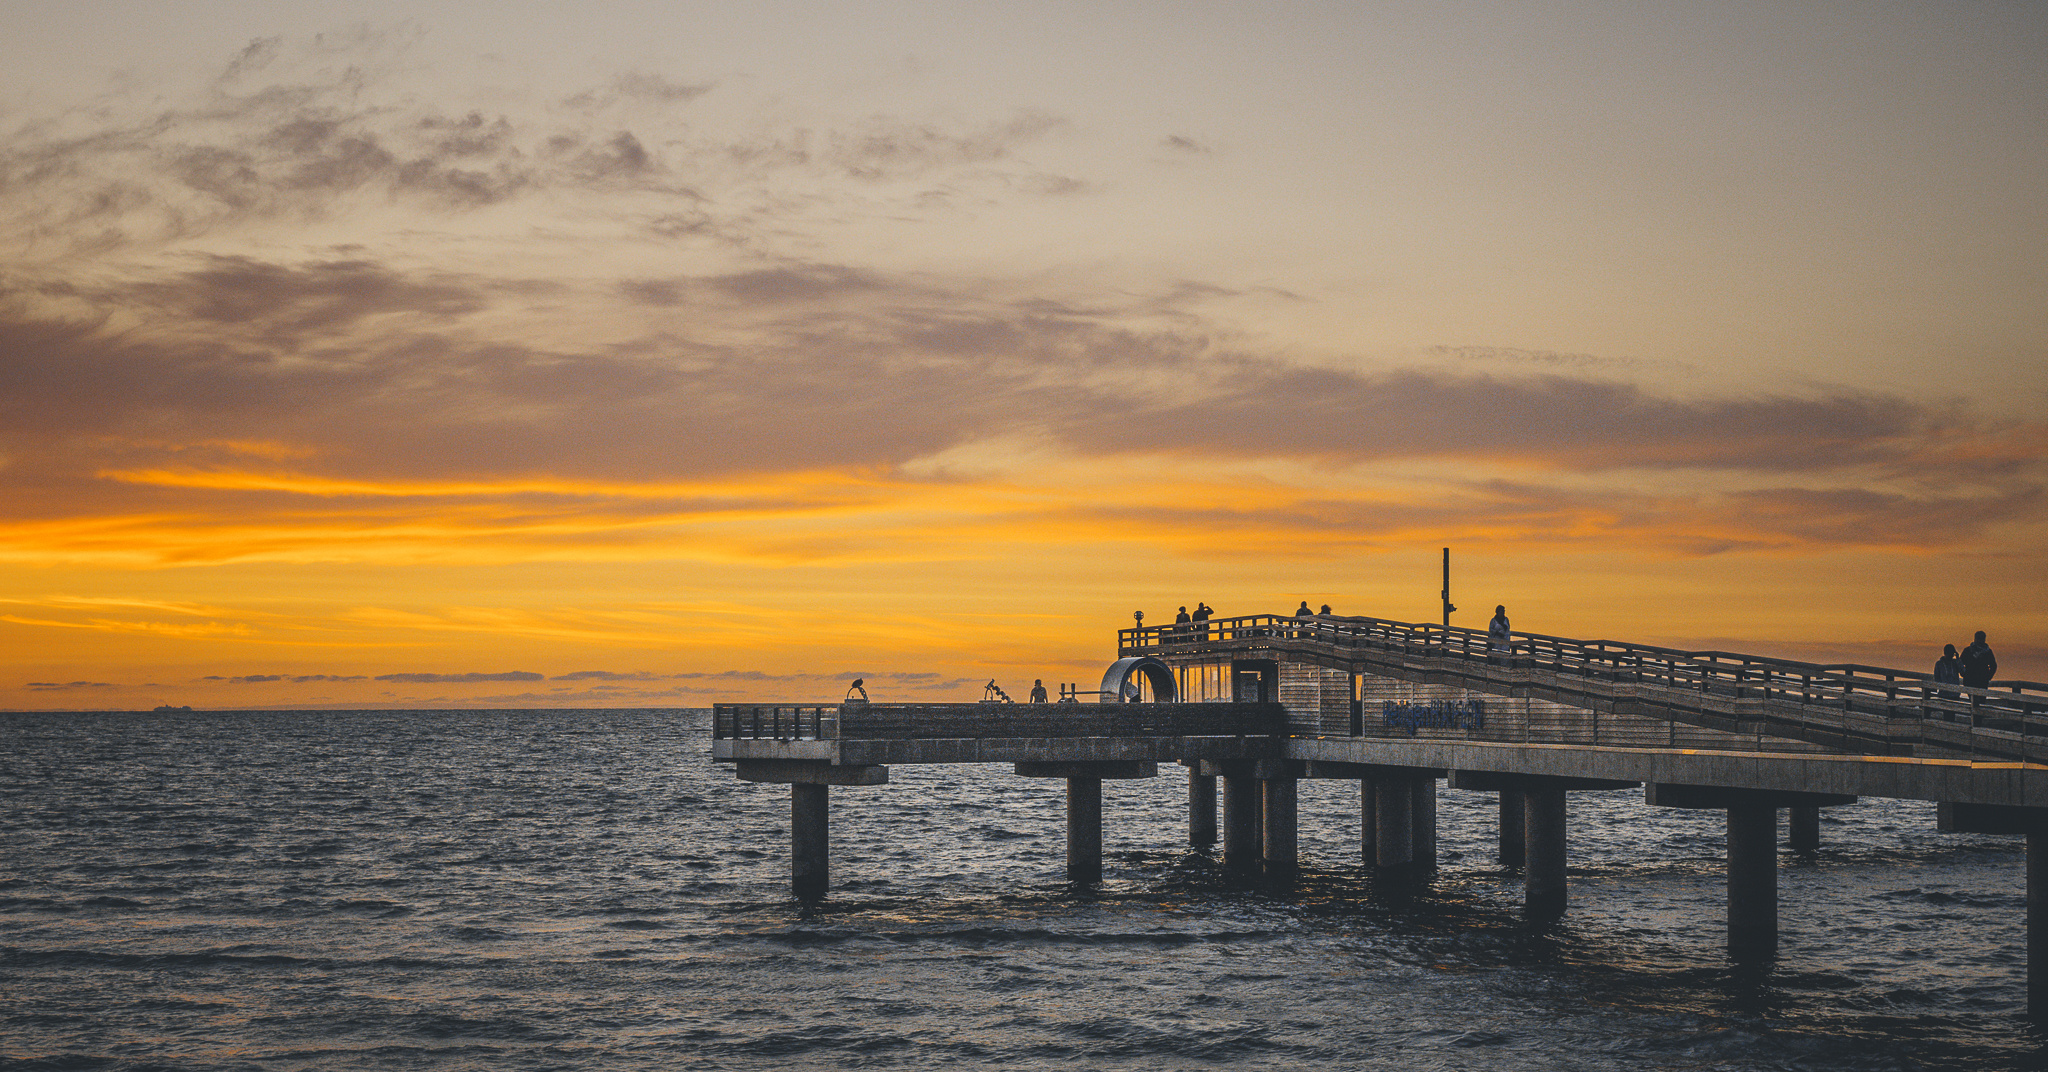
column 1498, row 639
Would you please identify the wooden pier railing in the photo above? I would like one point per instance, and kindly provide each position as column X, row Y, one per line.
column 2010, row 718
column 887, row 721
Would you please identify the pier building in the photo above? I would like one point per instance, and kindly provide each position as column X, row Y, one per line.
column 1251, row 705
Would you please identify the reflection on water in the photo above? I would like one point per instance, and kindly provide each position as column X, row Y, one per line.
column 585, row 890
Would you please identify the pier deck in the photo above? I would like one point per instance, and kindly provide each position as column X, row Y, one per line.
column 1261, row 701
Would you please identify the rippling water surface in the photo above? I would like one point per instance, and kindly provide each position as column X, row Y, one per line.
column 584, row 889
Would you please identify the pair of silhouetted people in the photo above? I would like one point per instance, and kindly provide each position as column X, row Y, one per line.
column 1303, row 612
column 1192, row 625
column 1973, row 668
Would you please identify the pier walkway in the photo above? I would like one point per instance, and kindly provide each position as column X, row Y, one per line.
column 1256, row 703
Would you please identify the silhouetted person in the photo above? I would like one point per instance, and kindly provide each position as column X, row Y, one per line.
column 1181, row 624
column 1325, row 612
column 1303, row 611
column 1497, row 636
column 1979, row 665
column 1201, row 618
column 1948, row 670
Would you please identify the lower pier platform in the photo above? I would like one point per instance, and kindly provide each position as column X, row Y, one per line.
column 1245, row 763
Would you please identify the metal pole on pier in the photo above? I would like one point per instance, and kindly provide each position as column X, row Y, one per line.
column 1446, row 593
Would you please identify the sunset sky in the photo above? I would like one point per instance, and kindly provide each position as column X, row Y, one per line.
column 446, row 354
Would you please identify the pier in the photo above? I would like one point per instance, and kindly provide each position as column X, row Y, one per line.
column 1253, row 704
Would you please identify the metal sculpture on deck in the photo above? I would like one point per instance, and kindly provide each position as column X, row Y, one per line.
column 1126, row 680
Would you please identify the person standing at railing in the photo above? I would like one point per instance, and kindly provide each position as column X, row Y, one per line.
column 1979, row 665
column 1182, row 625
column 1201, row 620
column 1498, row 639
column 1948, row 670
column 1038, row 686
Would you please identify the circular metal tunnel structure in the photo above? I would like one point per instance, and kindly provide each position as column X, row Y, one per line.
column 1120, row 683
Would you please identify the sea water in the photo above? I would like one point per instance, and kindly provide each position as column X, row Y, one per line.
column 587, row 890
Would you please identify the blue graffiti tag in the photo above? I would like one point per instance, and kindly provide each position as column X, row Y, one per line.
column 1435, row 715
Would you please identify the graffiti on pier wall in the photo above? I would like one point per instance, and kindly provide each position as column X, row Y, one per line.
column 1434, row 715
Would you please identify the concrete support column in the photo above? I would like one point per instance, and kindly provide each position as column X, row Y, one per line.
column 1393, row 807
column 2037, row 924
column 1543, row 847
column 1752, row 881
column 1278, row 814
column 1366, row 823
column 1512, row 834
column 1424, row 844
column 809, row 840
column 1804, row 835
column 1241, row 823
column 1201, row 809
column 1084, row 829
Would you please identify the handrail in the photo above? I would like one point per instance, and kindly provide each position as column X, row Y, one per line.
column 2010, row 707
column 889, row 721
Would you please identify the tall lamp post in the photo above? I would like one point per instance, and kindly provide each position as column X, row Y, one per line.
column 1446, row 593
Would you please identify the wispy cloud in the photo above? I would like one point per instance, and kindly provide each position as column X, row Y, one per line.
column 300, row 316
column 460, row 679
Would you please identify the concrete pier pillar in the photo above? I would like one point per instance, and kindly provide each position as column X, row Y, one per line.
column 1084, row 829
column 1752, row 881
column 1201, row 809
column 2037, row 924
column 1241, row 823
column 1393, row 808
column 1543, row 847
column 1366, row 823
column 1752, row 852
column 1281, row 859
column 1952, row 817
column 1804, row 835
column 1423, row 846
column 1512, row 835
column 809, row 840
